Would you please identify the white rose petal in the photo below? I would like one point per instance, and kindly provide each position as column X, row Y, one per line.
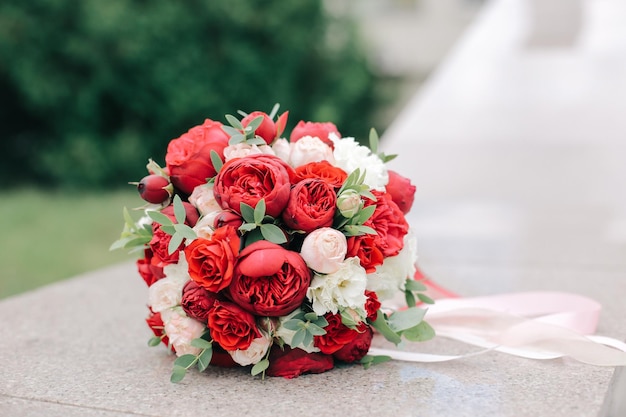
column 324, row 250
column 310, row 149
column 164, row 294
column 181, row 330
column 240, row 150
column 282, row 149
column 202, row 198
column 255, row 352
column 342, row 289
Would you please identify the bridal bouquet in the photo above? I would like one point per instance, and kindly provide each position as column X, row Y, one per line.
column 275, row 253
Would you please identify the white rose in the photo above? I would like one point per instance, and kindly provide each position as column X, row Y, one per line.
column 181, row 330
column 342, row 289
column 240, row 150
column 282, row 149
column 179, row 271
column 204, row 228
column 164, row 294
column 349, row 156
column 202, row 198
column 324, row 250
column 287, row 335
column 390, row 277
column 255, row 352
column 310, row 149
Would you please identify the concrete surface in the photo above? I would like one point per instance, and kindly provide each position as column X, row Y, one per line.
column 517, row 149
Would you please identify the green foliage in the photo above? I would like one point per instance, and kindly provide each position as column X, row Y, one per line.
column 92, row 88
column 257, row 225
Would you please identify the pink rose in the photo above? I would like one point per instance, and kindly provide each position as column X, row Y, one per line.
column 401, row 190
column 290, row 363
column 252, row 178
column 324, row 250
column 188, row 157
column 269, row 280
column 315, row 129
column 311, row 205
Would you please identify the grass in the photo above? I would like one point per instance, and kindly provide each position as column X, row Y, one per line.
column 49, row 236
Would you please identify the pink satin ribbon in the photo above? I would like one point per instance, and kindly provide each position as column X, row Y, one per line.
column 537, row 325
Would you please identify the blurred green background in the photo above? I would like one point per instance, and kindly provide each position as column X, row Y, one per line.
column 91, row 89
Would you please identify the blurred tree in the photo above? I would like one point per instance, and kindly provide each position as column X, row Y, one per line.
column 92, row 88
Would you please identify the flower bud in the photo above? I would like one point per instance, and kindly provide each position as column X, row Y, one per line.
column 154, row 189
column 349, row 203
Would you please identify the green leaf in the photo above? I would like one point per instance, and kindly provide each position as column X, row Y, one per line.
column 175, row 242
column 234, row 122
column 159, row 217
column 419, row 333
column 201, row 343
column 259, row 211
column 315, row 330
column 273, row 233
column 405, row 319
column 413, row 285
column 254, row 124
column 204, row 360
column 347, row 320
column 179, row 210
column 410, row 299
column 260, row 367
column 374, row 141
column 185, row 231
column 247, row 212
column 253, row 236
column 230, row 131
column 178, row 373
column 310, row 316
column 127, row 218
column 293, row 324
column 387, row 158
column 216, row 161
column 256, row 141
column 383, row 328
column 298, row 337
column 274, row 111
column 308, row 339
column 365, row 213
column 321, row 321
column 246, row 227
column 235, row 139
column 154, row 341
column 425, row 299
column 169, row 229
column 185, row 361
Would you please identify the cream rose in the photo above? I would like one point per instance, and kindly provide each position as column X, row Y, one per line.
column 202, row 198
column 342, row 289
column 163, row 294
column 282, row 149
column 255, row 352
column 205, row 226
column 324, row 250
column 310, row 149
column 181, row 330
column 240, row 150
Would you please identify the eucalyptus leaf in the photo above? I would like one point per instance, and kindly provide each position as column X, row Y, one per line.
column 321, row 321
column 169, row 229
column 154, row 341
column 175, row 242
column 230, row 131
column 310, row 316
column 405, row 319
column 159, row 217
column 234, row 122
column 216, row 161
column 373, row 140
column 425, row 299
column 138, row 241
column 257, row 140
column 185, row 231
column 293, row 324
column 260, row 367
column 315, row 330
column 298, row 338
column 259, row 211
column 255, row 123
column 253, row 236
column 347, row 320
column 204, row 360
column 246, row 227
column 273, row 233
column 201, row 343
column 274, row 111
column 127, row 217
column 308, row 339
column 366, row 230
column 410, row 299
column 237, row 138
column 185, row 361
column 178, row 373
column 387, row 158
column 419, row 333
column 179, row 210
column 365, row 213
column 413, row 285
column 383, row 328
column 247, row 212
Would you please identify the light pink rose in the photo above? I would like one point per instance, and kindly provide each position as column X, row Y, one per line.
column 181, row 330
column 240, row 150
column 202, row 198
column 310, row 149
column 324, row 250
column 282, row 149
column 253, row 354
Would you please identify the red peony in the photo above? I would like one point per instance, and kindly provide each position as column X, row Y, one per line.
column 197, row 301
column 401, row 190
column 323, row 170
column 232, row 327
column 337, row 335
column 358, row 347
column 315, row 129
column 269, row 280
column 252, row 178
column 389, row 223
column 312, row 204
column 212, row 261
column 148, row 272
column 188, row 157
column 290, row 363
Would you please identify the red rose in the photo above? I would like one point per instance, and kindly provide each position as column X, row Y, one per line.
column 290, row 363
column 323, row 170
column 155, row 323
column 231, row 326
column 267, row 128
column 227, row 218
column 212, row 261
column 197, row 301
column 252, row 178
column 358, row 347
column 312, row 204
column 222, row 358
column 372, row 305
column 159, row 245
column 401, row 190
column 315, row 129
column 188, row 157
column 337, row 335
column 148, row 272
column 366, row 249
column 269, row 280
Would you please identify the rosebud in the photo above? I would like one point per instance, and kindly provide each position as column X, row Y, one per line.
column 349, row 203
column 154, row 189
column 267, row 128
column 227, row 218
